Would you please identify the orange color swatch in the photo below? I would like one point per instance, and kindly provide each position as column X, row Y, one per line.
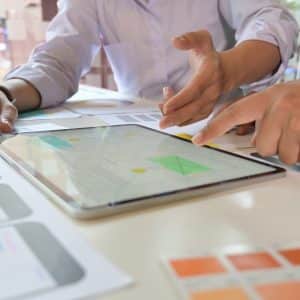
column 197, row 266
column 292, row 255
column 254, row 261
column 224, row 294
column 280, row 291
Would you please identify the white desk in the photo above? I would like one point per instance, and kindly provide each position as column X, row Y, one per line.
column 262, row 214
column 259, row 214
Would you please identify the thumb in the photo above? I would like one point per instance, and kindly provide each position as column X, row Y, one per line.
column 8, row 116
column 249, row 109
column 200, row 41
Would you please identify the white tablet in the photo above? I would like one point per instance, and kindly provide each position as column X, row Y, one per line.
column 105, row 170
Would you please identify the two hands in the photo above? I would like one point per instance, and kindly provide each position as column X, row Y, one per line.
column 215, row 73
column 277, row 109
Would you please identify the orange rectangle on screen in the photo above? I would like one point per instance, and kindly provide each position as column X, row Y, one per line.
column 254, row 261
column 200, row 266
column 222, row 294
column 280, row 291
column 292, row 255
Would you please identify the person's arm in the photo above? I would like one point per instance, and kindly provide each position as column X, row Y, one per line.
column 256, row 58
column 278, row 111
column 53, row 71
column 267, row 21
column 216, row 74
column 26, row 96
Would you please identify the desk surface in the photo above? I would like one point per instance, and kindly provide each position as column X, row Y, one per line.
column 260, row 214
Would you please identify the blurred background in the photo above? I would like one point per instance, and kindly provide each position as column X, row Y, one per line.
column 23, row 24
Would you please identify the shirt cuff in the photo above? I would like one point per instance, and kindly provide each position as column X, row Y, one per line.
column 260, row 32
column 51, row 93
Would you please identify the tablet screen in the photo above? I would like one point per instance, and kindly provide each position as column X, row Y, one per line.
column 107, row 165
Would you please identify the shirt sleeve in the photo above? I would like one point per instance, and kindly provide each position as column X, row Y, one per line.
column 264, row 20
column 72, row 41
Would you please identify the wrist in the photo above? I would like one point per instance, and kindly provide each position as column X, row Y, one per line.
column 232, row 76
column 5, row 92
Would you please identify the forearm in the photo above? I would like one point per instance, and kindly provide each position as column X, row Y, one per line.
column 249, row 62
column 27, row 97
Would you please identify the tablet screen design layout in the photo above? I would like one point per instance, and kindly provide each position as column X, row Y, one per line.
column 12, row 206
column 108, row 165
column 34, row 262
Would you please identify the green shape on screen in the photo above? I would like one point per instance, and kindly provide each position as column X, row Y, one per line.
column 180, row 165
column 56, row 142
column 31, row 114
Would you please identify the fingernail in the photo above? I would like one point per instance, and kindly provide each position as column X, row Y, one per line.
column 198, row 139
column 165, row 91
column 5, row 121
column 181, row 38
column 165, row 109
column 166, row 124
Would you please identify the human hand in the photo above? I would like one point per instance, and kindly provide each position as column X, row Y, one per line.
column 167, row 94
column 197, row 99
column 8, row 114
column 277, row 109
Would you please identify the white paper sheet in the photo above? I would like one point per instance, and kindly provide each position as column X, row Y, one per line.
column 96, row 101
column 151, row 120
column 19, row 128
column 110, row 106
column 86, row 92
column 22, row 126
column 48, row 114
column 100, row 275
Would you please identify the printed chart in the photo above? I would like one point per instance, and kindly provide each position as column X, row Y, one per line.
column 31, row 268
column 12, row 206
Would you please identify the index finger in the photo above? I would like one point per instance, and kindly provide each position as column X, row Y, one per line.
column 244, row 111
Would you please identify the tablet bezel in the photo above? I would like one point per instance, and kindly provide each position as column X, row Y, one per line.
column 78, row 211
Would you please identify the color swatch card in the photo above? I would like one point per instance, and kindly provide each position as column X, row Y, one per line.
column 247, row 274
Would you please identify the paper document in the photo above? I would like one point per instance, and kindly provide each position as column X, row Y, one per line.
column 94, row 93
column 151, row 119
column 110, row 106
column 19, row 128
column 41, row 259
column 48, row 114
column 23, row 126
column 96, row 101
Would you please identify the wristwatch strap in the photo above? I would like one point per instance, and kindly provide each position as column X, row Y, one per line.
column 7, row 93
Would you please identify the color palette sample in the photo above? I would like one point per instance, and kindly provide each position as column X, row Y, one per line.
column 179, row 164
column 253, row 274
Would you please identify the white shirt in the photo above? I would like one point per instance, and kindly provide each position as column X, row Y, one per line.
column 136, row 36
